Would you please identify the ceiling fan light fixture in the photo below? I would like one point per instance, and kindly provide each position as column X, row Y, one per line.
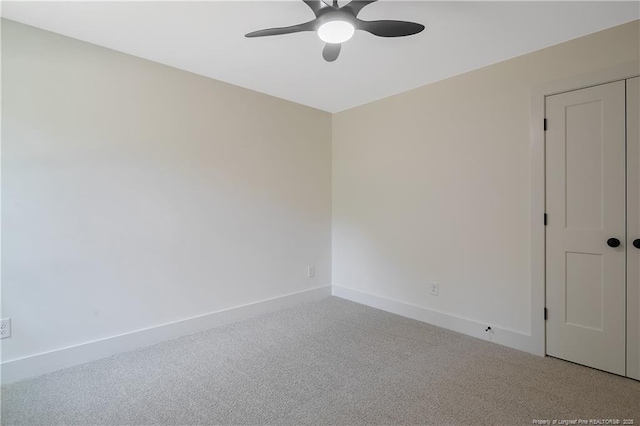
column 336, row 32
column 336, row 24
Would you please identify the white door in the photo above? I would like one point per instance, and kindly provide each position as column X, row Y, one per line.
column 585, row 203
column 633, row 228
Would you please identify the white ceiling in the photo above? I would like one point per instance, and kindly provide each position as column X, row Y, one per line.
column 207, row 38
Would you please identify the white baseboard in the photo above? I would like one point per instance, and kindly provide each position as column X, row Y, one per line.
column 47, row 362
column 502, row 336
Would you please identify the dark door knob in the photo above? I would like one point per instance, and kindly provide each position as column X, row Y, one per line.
column 613, row 242
column 636, row 243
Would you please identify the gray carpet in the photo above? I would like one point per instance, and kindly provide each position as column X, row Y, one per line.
column 328, row 362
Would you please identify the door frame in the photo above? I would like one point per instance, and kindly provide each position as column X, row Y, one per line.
column 538, row 176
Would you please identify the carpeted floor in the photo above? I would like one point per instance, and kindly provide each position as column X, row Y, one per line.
column 328, row 362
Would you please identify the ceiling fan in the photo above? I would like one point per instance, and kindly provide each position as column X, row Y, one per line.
column 336, row 24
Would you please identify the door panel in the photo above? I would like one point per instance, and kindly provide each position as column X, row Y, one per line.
column 584, row 289
column 584, row 156
column 633, row 228
column 585, row 190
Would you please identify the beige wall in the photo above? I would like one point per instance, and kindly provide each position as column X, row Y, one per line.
column 135, row 194
column 433, row 185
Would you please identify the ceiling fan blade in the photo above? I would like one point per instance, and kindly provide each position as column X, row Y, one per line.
column 331, row 51
column 357, row 5
column 390, row 28
column 307, row 26
column 316, row 5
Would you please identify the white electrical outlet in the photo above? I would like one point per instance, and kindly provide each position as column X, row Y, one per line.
column 5, row 328
column 311, row 271
column 434, row 288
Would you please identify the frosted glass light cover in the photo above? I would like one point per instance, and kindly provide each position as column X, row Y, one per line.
column 335, row 32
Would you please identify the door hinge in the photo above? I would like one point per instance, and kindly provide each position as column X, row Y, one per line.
column 546, row 315
column 545, row 124
column 545, row 220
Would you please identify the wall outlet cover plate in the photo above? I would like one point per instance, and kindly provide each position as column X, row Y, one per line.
column 5, row 328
